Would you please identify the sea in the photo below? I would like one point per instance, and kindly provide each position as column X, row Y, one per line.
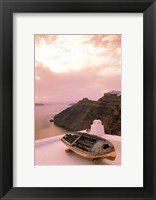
column 43, row 113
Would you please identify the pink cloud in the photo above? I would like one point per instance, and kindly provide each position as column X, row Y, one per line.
column 73, row 86
column 72, row 67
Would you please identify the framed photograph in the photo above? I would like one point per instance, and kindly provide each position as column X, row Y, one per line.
column 77, row 99
column 74, row 77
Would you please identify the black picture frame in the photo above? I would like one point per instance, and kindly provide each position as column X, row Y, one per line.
column 7, row 8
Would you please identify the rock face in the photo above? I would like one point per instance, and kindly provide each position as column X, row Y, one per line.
column 81, row 115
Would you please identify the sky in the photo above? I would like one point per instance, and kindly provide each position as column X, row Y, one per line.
column 71, row 67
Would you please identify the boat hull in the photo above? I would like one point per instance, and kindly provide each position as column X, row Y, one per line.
column 110, row 156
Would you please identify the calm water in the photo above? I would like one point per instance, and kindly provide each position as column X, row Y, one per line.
column 43, row 127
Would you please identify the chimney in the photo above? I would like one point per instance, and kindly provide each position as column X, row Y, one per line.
column 97, row 128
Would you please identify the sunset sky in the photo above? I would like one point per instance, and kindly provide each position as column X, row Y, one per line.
column 71, row 67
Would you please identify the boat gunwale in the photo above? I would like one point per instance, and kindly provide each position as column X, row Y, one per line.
column 89, row 155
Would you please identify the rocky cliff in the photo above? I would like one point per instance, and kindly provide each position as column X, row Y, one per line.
column 81, row 115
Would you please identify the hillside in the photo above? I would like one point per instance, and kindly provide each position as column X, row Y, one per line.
column 81, row 115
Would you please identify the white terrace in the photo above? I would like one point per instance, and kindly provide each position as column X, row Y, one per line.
column 51, row 151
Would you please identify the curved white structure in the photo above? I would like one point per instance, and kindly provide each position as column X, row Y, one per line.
column 97, row 128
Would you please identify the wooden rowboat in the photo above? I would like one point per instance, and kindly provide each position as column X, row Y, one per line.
column 89, row 145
